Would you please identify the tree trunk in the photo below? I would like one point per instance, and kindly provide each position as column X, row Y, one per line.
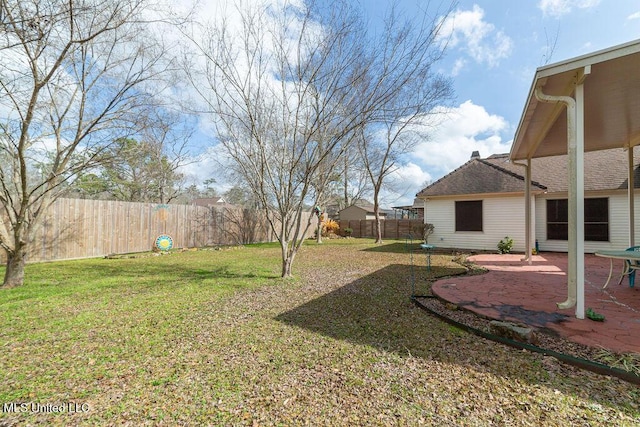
column 319, row 231
column 376, row 212
column 14, row 275
column 378, row 229
column 287, row 258
column 287, row 262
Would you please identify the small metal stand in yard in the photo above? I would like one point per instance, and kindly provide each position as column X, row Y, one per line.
column 427, row 249
column 424, row 247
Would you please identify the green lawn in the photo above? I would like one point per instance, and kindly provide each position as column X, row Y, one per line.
column 217, row 338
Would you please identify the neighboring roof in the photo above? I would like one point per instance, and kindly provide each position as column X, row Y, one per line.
column 367, row 207
column 603, row 170
column 417, row 204
column 218, row 202
column 611, row 103
column 203, row 201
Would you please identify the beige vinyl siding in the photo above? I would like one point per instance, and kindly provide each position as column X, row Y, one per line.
column 501, row 216
column 618, row 224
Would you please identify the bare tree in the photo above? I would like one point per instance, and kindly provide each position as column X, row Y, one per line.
column 73, row 75
column 410, row 51
column 169, row 134
column 355, row 180
column 289, row 90
column 417, row 89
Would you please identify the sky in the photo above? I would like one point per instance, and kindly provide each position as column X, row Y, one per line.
column 494, row 49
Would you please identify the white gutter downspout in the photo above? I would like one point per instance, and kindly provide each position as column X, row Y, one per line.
column 575, row 152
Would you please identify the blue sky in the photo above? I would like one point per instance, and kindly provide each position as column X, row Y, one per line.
column 494, row 50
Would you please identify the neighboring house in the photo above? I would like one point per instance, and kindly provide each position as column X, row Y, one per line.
column 415, row 211
column 482, row 201
column 216, row 202
column 360, row 211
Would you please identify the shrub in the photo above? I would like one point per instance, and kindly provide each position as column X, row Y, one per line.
column 505, row 245
column 330, row 227
column 423, row 230
column 348, row 231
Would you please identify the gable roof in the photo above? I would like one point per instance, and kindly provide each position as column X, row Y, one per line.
column 610, row 87
column 365, row 206
column 479, row 176
column 603, row 170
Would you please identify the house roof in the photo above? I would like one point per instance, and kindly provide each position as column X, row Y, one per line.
column 604, row 170
column 217, row 202
column 611, row 84
column 480, row 176
column 367, row 207
column 417, row 204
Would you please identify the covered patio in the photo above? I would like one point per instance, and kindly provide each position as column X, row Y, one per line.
column 588, row 103
column 527, row 294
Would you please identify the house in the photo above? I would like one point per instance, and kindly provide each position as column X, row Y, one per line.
column 358, row 211
column 414, row 211
column 576, row 106
column 209, row 202
column 482, row 201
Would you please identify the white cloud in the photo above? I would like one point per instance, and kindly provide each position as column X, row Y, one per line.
column 467, row 31
column 406, row 181
column 464, row 129
column 634, row 16
column 458, row 66
column 461, row 131
column 557, row 8
column 209, row 164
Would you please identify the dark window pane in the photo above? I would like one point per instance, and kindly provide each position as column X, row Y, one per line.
column 557, row 231
column 596, row 219
column 596, row 210
column 469, row 215
column 596, row 232
column 557, row 210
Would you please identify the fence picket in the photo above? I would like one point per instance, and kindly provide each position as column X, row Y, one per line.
column 75, row 228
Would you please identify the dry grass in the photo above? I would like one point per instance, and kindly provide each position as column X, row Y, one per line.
column 215, row 338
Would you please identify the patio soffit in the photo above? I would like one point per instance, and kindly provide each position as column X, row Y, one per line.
column 611, row 104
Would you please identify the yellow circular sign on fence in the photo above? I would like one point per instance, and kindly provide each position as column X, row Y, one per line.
column 164, row 242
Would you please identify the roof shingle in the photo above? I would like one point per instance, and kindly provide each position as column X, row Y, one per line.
column 603, row 170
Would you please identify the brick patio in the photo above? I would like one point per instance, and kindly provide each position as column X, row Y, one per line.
column 515, row 291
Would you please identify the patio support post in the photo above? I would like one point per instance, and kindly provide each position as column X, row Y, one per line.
column 579, row 190
column 573, row 199
column 527, row 211
column 630, row 198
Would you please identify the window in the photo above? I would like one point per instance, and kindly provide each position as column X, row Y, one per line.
column 469, row 215
column 596, row 219
column 557, row 219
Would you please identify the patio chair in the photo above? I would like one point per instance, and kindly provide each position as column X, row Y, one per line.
column 630, row 267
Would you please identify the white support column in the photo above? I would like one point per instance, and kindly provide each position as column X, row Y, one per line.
column 579, row 190
column 527, row 210
column 631, row 198
column 572, row 244
column 533, row 221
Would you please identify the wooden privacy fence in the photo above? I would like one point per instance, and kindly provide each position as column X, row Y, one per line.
column 79, row 228
column 391, row 228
